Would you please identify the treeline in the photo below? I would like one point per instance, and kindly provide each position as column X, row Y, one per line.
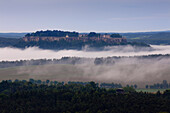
column 50, row 82
column 163, row 85
column 77, row 60
column 27, row 97
column 63, row 60
column 54, row 33
column 110, row 85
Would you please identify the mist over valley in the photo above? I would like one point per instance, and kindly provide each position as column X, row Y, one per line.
column 118, row 64
column 12, row 54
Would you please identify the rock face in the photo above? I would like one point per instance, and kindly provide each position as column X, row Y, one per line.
column 103, row 38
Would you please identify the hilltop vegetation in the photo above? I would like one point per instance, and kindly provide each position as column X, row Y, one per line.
column 58, row 33
column 54, row 33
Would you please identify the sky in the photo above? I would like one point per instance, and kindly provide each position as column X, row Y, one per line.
column 84, row 15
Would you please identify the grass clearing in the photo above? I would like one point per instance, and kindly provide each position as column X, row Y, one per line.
column 150, row 90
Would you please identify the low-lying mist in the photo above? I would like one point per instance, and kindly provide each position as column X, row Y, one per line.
column 140, row 71
column 126, row 70
column 12, row 54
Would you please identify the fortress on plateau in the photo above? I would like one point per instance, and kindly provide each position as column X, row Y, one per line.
column 74, row 36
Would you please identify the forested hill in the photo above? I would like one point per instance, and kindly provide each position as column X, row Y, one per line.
column 58, row 40
column 12, row 35
column 73, row 40
column 27, row 97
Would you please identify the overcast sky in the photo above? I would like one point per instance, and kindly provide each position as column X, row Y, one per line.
column 84, row 15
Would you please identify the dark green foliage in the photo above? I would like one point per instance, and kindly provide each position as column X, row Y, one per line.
column 116, row 35
column 129, row 89
column 54, row 33
column 93, row 34
column 112, row 85
column 4, row 42
column 26, row 97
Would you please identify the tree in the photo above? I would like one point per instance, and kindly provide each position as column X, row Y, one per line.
column 92, row 84
column 147, row 86
column 116, row 35
column 31, row 80
column 129, row 89
column 93, row 34
column 47, row 81
column 135, row 86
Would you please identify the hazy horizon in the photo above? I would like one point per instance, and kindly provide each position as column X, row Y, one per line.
column 166, row 30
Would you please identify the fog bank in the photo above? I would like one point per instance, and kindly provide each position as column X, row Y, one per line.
column 140, row 71
column 12, row 54
column 125, row 71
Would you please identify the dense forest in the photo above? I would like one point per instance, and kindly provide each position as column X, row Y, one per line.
column 8, row 42
column 27, row 97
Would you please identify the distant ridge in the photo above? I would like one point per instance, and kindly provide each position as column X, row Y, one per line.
column 12, row 35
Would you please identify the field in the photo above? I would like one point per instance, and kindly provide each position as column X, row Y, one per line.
column 150, row 90
column 60, row 72
column 67, row 72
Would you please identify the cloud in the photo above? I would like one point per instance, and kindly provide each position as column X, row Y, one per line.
column 12, row 54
